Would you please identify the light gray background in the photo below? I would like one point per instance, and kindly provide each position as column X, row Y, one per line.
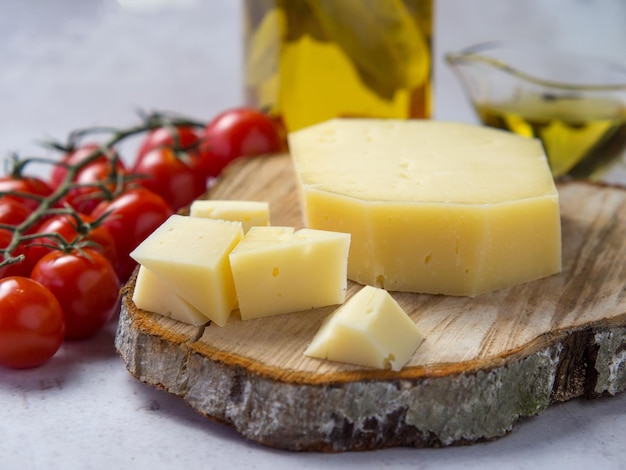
column 70, row 63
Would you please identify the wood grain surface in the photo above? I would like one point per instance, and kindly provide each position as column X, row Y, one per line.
column 486, row 361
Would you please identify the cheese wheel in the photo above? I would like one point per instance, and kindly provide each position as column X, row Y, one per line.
column 433, row 207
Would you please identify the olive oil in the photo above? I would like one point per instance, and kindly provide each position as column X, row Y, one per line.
column 311, row 60
column 581, row 136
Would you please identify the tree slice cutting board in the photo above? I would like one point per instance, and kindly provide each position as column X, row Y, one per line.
column 486, row 362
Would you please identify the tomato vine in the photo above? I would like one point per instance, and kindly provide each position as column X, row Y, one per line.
column 46, row 204
column 66, row 240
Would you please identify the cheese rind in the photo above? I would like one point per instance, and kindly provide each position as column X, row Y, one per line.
column 279, row 270
column 432, row 207
column 249, row 213
column 191, row 254
column 370, row 329
column 157, row 296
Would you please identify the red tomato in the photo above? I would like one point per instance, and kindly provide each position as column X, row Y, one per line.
column 12, row 212
column 32, row 325
column 131, row 218
column 84, row 199
column 86, row 286
column 25, row 184
column 239, row 132
column 68, row 227
column 185, row 139
column 22, row 268
column 175, row 180
column 86, row 193
column 79, row 155
column 163, row 137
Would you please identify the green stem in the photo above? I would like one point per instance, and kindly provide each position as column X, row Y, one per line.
column 47, row 205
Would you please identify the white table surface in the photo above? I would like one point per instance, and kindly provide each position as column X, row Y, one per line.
column 70, row 63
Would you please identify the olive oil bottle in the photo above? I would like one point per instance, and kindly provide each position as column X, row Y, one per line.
column 307, row 61
column 581, row 135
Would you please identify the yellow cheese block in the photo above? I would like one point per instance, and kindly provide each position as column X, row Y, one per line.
column 249, row 213
column 155, row 295
column 370, row 330
column 433, row 207
column 280, row 270
column 191, row 254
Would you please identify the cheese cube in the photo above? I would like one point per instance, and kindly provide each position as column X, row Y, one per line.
column 280, row 270
column 370, row 330
column 191, row 254
column 433, row 207
column 249, row 213
column 157, row 296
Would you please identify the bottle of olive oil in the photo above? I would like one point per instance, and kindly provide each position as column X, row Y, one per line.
column 311, row 60
column 581, row 135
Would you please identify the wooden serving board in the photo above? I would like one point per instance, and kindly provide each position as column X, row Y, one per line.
column 486, row 361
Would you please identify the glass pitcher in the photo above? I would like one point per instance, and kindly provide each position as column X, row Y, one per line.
column 575, row 105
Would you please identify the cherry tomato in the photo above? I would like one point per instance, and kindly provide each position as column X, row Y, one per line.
column 132, row 216
column 32, row 324
column 20, row 268
column 279, row 124
column 86, row 193
column 186, row 139
column 25, row 184
column 163, row 137
column 238, row 132
column 68, row 227
column 12, row 212
column 175, row 180
column 86, row 286
column 79, row 155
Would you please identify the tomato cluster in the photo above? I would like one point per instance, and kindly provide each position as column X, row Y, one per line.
column 65, row 242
